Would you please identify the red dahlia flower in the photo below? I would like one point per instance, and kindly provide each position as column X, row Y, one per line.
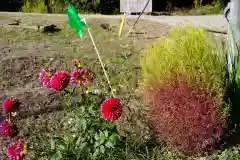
column 81, row 77
column 11, row 105
column 60, row 80
column 16, row 150
column 6, row 129
column 45, row 76
column 111, row 109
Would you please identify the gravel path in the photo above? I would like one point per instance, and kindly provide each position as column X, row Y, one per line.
column 211, row 22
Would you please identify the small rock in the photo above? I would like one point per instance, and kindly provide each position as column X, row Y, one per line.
column 15, row 22
column 105, row 26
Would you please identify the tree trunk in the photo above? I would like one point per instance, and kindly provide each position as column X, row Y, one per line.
column 47, row 4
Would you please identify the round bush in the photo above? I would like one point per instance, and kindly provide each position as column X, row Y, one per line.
column 184, row 86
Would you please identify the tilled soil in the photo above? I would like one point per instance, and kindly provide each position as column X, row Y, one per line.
column 23, row 55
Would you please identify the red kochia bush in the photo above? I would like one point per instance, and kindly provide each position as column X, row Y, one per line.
column 185, row 117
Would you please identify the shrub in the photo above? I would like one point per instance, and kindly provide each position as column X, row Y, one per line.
column 38, row 6
column 184, row 84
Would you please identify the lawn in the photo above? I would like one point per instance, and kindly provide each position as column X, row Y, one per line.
column 45, row 114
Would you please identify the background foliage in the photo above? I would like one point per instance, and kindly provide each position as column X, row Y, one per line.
column 99, row 6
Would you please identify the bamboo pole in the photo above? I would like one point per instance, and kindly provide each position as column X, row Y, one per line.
column 122, row 24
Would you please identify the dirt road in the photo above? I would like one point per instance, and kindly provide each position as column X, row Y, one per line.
column 212, row 22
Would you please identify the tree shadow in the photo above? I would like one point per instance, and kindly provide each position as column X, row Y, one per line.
column 234, row 97
column 232, row 137
column 11, row 6
column 50, row 29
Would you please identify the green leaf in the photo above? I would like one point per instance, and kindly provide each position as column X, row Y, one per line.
column 96, row 144
column 114, row 138
column 102, row 140
column 96, row 136
column 61, row 147
column 106, row 133
column 237, row 77
column 81, row 124
column 97, row 91
column 52, row 143
column 58, row 143
column 78, row 141
column 91, row 110
column 109, row 144
column 57, row 156
column 83, row 145
column 101, row 134
column 83, row 109
column 95, row 154
column 102, row 149
column 91, row 141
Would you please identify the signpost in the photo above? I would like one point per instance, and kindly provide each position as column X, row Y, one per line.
column 135, row 6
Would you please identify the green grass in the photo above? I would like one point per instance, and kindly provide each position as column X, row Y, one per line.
column 211, row 9
column 123, row 66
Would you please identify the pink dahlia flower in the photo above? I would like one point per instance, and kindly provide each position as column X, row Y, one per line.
column 45, row 76
column 81, row 77
column 6, row 129
column 11, row 105
column 60, row 80
column 16, row 150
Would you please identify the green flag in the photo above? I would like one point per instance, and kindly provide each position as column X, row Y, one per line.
column 74, row 21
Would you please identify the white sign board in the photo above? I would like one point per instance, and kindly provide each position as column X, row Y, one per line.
column 130, row 6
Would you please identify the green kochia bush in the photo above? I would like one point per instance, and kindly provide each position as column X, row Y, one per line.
column 184, row 84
